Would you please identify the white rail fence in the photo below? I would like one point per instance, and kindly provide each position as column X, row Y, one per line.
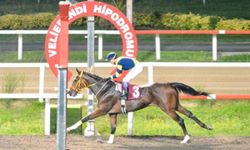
column 148, row 65
column 45, row 97
column 20, row 34
column 100, row 33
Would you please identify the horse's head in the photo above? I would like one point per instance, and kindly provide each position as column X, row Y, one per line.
column 82, row 80
column 78, row 83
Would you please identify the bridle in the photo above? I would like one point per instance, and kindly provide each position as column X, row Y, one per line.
column 81, row 83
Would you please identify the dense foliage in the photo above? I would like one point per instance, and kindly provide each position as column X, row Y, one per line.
column 157, row 14
column 168, row 21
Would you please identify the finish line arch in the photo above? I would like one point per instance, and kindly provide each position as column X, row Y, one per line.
column 90, row 8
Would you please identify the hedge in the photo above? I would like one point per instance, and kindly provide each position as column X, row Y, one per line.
column 37, row 21
column 234, row 24
column 165, row 21
column 188, row 21
column 146, row 21
column 170, row 21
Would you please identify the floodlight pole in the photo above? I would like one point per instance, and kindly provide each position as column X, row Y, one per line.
column 62, row 76
column 129, row 14
column 90, row 129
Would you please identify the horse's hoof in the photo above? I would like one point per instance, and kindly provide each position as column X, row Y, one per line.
column 110, row 142
column 186, row 139
column 111, row 139
column 100, row 141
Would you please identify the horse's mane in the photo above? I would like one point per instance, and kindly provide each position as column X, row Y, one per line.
column 98, row 78
column 93, row 75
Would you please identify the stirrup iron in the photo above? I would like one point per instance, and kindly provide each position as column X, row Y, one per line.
column 123, row 106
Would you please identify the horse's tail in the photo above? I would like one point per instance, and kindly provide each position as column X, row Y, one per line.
column 187, row 89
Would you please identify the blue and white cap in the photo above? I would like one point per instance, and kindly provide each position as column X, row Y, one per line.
column 110, row 56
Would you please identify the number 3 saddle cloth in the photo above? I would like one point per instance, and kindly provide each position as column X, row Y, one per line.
column 134, row 91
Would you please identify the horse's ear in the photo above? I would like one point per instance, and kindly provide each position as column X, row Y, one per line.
column 91, row 69
column 78, row 71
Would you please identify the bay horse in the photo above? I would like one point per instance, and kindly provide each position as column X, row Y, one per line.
column 163, row 95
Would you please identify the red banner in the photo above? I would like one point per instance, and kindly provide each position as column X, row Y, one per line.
column 83, row 9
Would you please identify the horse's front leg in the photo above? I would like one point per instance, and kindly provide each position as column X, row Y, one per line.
column 113, row 121
column 97, row 113
column 103, row 108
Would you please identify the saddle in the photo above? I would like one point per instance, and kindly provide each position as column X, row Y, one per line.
column 134, row 91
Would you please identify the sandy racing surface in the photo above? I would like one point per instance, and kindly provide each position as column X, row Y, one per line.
column 77, row 142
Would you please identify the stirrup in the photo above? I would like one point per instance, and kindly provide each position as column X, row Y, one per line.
column 123, row 106
column 123, row 97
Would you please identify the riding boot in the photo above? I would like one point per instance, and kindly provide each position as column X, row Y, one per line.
column 124, row 95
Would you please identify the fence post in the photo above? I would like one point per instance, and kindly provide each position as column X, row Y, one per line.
column 100, row 46
column 214, row 45
column 157, row 47
column 130, row 123
column 41, row 82
column 20, row 46
column 47, row 117
column 150, row 74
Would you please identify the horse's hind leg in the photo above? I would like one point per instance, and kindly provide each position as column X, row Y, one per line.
column 180, row 121
column 113, row 121
column 189, row 114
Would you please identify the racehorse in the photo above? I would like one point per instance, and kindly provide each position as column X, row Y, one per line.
column 163, row 95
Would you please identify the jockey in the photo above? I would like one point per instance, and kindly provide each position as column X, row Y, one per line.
column 124, row 63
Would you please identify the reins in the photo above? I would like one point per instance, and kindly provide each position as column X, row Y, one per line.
column 97, row 93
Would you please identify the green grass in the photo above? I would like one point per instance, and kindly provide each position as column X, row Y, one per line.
column 143, row 56
column 74, row 115
column 235, row 58
column 21, row 118
column 141, row 38
column 228, row 118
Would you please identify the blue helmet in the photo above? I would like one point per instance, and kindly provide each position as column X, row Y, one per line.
column 110, row 56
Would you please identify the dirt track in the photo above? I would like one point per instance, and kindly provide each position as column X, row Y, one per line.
column 76, row 142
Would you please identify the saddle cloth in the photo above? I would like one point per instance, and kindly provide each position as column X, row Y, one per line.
column 133, row 91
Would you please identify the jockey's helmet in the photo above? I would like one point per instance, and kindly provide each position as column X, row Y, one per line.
column 110, row 56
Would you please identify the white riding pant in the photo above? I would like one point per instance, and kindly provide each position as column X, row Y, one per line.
column 133, row 72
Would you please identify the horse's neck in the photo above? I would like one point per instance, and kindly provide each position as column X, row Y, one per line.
column 102, row 88
column 93, row 83
column 93, row 79
column 99, row 88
